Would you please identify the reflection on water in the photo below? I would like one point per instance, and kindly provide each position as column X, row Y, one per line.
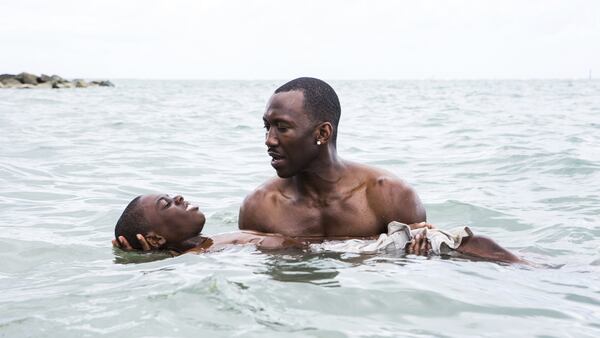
column 134, row 257
column 316, row 268
column 285, row 270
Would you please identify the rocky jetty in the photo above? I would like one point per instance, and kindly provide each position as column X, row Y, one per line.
column 27, row 80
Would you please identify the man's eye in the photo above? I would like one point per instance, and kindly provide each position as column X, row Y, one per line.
column 282, row 127
column 164, row 204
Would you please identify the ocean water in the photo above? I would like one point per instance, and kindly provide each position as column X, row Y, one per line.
column 518, row 161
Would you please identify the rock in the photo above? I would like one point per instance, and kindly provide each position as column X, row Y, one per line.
column 44, row 78
column 27, row 78
column 79, row 83
column 45, row 85
column 60, row 85
column 105, row 83
column 10, row 82
column 56, row 78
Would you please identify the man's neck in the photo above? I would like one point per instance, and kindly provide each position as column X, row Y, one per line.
column 322, row 177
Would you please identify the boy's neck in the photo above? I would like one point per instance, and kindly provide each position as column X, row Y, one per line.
column 197, row 242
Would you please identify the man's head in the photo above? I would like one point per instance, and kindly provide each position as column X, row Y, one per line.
column 164, row 221
column 320, row 101
column 301, row 121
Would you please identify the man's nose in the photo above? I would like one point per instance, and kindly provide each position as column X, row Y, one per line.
column 271, row 139
column 178, row 199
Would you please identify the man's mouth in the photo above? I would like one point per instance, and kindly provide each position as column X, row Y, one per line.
column 276, row 159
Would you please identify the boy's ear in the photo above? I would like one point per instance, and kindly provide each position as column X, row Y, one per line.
column 155, row 240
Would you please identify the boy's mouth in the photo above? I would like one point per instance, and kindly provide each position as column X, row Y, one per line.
column 191, row 207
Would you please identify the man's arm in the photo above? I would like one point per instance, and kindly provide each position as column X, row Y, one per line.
column 401, row 203
column 395, row 200
column 248, row 216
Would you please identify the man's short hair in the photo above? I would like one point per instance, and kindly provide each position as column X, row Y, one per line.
column 320, row 100
column 131, row 223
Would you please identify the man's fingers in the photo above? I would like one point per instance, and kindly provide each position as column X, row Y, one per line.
column 143, row 242
column 423, row 248
column 416, row 225
column 411, row 246
column 115, row 243
column 421, row 225
column 418, row 245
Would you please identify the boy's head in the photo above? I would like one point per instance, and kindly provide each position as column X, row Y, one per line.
column 163, row 220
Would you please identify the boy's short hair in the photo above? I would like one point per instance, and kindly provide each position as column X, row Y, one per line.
column 131, row 223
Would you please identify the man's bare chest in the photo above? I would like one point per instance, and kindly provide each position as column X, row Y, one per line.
column 349, row 216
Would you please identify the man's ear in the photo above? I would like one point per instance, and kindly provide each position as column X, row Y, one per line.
column 324, row 132
column 155, row 240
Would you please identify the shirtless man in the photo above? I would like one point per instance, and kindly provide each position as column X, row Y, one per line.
column 316, row 192
column 161, row 222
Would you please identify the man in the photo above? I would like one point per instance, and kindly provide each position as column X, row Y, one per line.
column 161, row 222
column 316, row 192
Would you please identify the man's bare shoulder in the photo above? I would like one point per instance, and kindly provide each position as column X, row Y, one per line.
column 265, row 192
column 255, row 208
column 391, row 197
column 378, row 179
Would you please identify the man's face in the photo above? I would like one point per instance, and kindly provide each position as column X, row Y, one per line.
column 173, row 217
column 289, row 134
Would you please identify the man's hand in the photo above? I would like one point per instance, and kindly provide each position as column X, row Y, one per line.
column 419, row 246
column 421, row 225
column 123, row 244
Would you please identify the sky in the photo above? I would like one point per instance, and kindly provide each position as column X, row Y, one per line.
column 281, row 39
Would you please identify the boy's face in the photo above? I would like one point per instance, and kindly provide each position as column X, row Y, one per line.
column 173, row 217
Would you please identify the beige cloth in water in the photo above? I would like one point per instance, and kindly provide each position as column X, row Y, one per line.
column 397, row 237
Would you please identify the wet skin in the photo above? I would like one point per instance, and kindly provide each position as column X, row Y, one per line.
column 316, row 193
column 176, row 226
column 174, row 221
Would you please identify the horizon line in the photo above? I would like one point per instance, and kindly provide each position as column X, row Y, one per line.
column 357, row 79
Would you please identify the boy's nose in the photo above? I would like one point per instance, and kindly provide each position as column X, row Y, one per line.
column 178, row 199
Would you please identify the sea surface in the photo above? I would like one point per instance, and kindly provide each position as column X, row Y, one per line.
column 518, row 161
